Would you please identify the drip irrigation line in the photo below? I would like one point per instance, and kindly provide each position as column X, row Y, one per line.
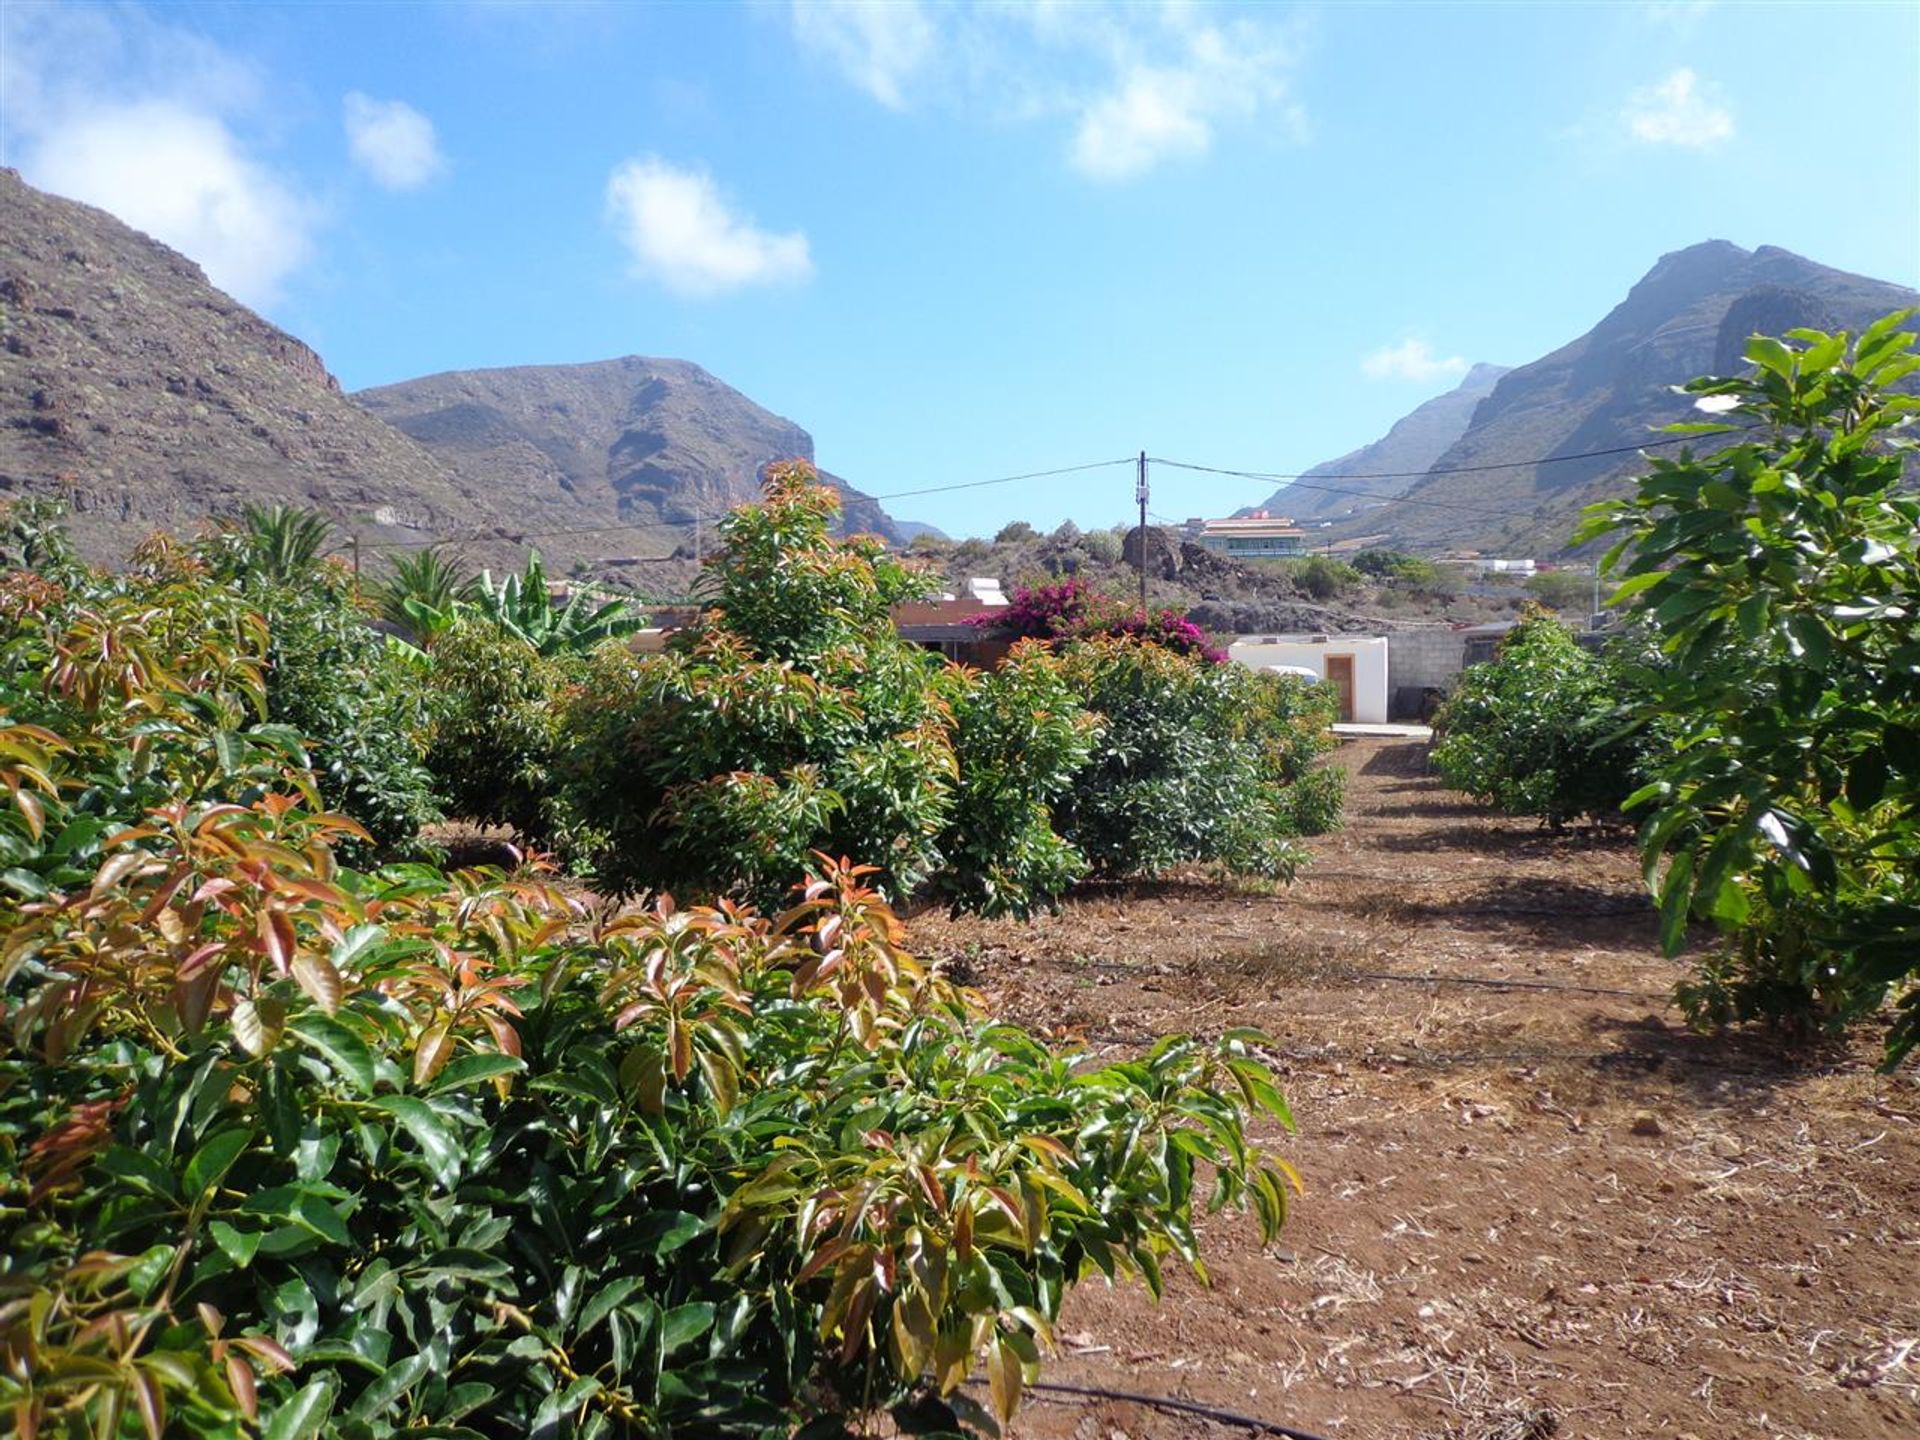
column 1447, row 1059
column 1337, row 972
column 1501, row 984
column 1167, row 1402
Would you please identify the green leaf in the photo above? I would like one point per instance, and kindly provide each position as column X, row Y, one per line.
column 384, row 1393
column 154, row 1264
column 1676, row 898
column 684, row 1324
column 430, row 1131
column 237, row 1245
column 475, row 1068
column 345, row 1051
column 303, row 1416
column 1867, row 778
column 215, row 1157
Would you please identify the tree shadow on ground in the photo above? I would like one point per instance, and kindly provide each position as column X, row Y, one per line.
column 1427, row 809
column 1563, row 845
column 1409, row 760
column 1706, row 1066
column 1543, row 910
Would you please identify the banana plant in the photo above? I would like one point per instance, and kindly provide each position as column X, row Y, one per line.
column 522, row 605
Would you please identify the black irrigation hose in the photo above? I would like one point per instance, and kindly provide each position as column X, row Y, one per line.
column 1500, row 984
column 1340, row 974
column 1441, row 1059
column 1168, row 1402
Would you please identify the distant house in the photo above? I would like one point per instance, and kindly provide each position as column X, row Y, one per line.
column 1354, row 665
column 949, row 624
column 1258, row 536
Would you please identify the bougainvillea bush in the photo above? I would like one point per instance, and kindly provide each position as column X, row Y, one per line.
column 291, row 1149
column 1074, row 610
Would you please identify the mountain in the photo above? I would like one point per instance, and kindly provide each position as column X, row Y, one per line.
column 1416, row 440
column 632, row 442
column 147, row 398
column 1689, row 315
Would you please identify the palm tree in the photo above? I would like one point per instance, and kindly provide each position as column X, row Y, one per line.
column 281, row 542
column 424, row 593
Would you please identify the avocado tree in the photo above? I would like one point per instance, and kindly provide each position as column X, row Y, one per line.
column 1781, row 577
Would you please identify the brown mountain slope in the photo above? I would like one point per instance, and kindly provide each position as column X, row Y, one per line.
column 149, row 399
column 641, row 446
column 1417, row 439
column 1690, row 315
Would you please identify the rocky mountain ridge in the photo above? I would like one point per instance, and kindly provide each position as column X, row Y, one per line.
column 1415, row 442
column 642, row 447
column 146, row 399
column 1612, row 387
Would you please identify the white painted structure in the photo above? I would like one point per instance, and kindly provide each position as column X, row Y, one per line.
column 1356, row 664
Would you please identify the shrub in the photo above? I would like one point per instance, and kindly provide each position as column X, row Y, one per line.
column 793, row 717
column 1020, row 736
column 1103, row 546
column 1537, row 731
column 366, row 1155
column 495, row 730
column 358, row 699
column 1075, row 610
column 1562, row 590
column 1194, row 763
column 1778, row 575
column 1322, row 577
column 1015, row 531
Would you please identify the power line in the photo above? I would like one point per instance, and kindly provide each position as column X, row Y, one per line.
column 518, row 535
column 1299, row 481
column 1295, row 480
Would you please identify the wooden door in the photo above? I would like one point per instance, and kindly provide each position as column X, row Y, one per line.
column 1340, row 676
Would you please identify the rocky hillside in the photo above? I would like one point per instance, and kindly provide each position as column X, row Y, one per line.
column 642, row 443
column 1415, row 442
column 1690, row 315
column 147, row 398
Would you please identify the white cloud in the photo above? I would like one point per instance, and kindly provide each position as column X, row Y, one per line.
column 121, row 111
column 681, row 233
column 1135, row 85
column 391, row 141
column 1411, row 360
column 879, row 46
column 1680, row 110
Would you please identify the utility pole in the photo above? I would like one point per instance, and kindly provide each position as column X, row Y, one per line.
column 696, row 539
column 1140, row 494
column 353, row 543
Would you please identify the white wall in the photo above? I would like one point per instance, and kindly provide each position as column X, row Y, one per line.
column 1369, row 654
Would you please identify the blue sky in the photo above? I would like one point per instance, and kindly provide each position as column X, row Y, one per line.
column 962, row 241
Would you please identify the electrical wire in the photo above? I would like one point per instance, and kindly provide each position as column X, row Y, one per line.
column 692, row 520
column 1295, row 481
column 1301, row 480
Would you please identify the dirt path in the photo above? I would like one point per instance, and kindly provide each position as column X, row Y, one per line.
column 1535, row 1208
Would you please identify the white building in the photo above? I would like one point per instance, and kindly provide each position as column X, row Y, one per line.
column 1355, row 665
